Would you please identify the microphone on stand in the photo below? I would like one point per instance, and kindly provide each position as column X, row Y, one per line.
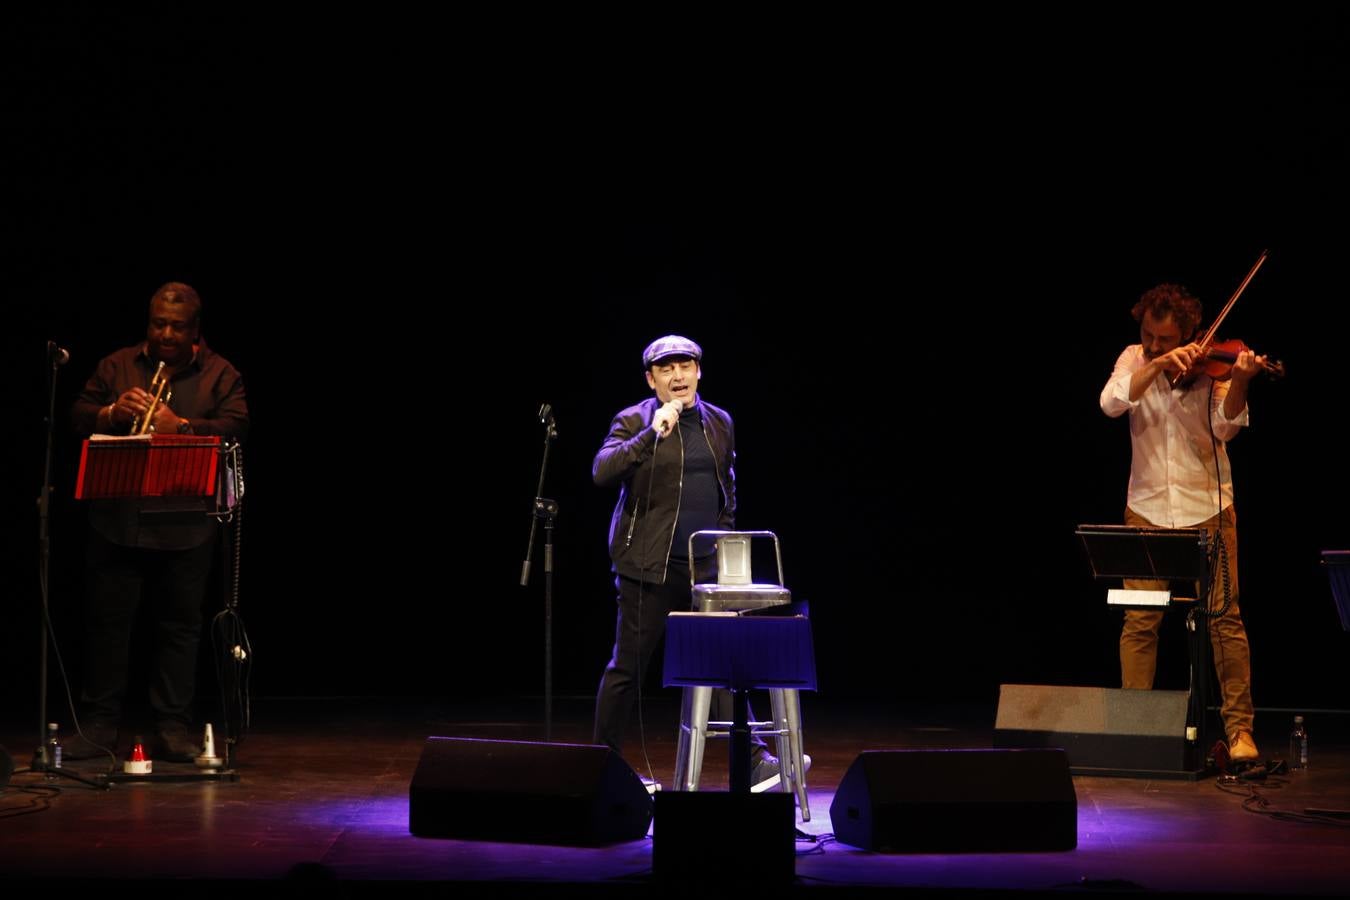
column 58, row 355
column 546, row 419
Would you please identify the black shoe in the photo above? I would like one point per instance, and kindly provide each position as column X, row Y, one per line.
column 767, row 772
column 100, row 739
column 176, row 744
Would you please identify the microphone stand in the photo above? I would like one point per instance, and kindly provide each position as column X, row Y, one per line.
column 547, row 510
column 41, row 761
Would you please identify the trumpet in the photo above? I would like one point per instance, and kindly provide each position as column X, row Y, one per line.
column 160, row 393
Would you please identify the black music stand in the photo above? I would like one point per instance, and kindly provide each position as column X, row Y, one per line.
column 190, row 474
column 1338, row 571
column 1165, row 554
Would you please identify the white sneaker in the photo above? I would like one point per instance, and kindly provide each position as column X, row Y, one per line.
column 766, row 773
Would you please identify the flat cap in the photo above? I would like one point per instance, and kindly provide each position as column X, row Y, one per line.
column 670, row 345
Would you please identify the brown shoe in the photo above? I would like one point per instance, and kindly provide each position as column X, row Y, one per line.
column 99, row 739
column 1241, row 747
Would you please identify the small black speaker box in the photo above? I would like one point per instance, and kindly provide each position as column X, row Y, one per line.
column 575, row 794
column 1104, row 731
column 717, row 837
column 951, row 801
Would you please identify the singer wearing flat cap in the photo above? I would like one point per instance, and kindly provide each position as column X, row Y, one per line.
column 673, row 458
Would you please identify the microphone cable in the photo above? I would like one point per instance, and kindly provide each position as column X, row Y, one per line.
column 642, row 728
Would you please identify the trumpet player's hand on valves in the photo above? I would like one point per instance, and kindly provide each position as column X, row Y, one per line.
column 164, row 420
column 129, row 405
column 132, row 405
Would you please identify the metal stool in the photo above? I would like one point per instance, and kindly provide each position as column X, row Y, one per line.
column 736, row 592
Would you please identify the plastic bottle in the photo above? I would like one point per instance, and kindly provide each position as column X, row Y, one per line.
column 1298, row 745
column 53, row 749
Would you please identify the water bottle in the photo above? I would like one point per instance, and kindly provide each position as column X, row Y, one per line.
column 1298, row 745
column 53, row 749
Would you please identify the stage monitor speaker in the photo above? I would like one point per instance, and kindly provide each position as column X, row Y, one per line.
column 718, row 837
column 953, row 801
column 574, row 794
column 1104, row 731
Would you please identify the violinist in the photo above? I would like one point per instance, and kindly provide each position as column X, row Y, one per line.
column 1180, row 478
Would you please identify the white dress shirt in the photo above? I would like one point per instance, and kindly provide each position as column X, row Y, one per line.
column 1172, row 471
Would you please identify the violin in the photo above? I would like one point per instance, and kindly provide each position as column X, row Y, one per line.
column 1220, row 356
column 1219, row 359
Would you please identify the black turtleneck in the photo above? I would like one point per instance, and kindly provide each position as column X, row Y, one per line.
column 700, row 495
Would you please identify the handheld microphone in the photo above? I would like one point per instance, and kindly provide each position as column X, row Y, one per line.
column 56, row 354
column 667, row 427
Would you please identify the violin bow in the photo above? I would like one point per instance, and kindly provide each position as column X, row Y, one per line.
column 1209, row 335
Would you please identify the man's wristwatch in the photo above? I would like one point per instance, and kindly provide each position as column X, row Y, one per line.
column 184, row 426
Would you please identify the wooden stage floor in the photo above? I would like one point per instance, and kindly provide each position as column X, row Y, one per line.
column 322, row 802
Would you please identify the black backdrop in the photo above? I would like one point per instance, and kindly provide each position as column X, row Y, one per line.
column 909, row 257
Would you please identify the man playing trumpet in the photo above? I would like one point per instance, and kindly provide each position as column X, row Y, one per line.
column 140, row 552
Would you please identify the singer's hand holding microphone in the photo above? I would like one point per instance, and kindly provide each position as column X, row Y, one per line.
column 666, row 418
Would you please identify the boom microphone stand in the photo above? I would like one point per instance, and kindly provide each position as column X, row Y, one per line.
column 56, row 357
column 548, row 511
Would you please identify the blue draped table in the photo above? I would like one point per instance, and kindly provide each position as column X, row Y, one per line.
column 739, row 653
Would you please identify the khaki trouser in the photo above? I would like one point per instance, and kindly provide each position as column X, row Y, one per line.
column 1227, row 636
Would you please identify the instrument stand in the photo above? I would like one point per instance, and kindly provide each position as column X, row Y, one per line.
column 1167, row 554
column 1201, row 665
column 184, row 774
column 547, row 510
column 233, row 652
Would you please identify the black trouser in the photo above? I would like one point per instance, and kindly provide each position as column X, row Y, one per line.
column 636, row 637
column 121, row 579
